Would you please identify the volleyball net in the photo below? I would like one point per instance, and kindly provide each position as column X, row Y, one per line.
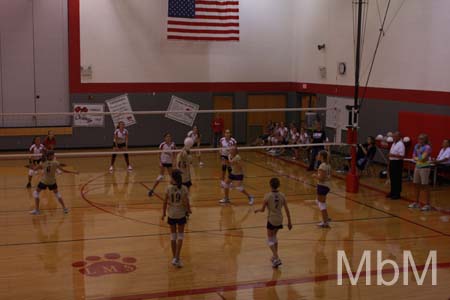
column 92, row 130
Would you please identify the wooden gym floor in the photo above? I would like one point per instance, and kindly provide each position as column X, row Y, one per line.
column 112, row 244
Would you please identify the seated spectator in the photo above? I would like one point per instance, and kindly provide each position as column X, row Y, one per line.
column 294, row 138
column 366, row 153
column 284, row 133
column 443, row 158
column 304, row 138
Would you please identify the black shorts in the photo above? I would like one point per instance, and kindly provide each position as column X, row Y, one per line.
column 236, row 177
column 43, row 186
column 271, row 227
column 166, row 165
column 224, row 157
column 120, row 146
column 322, row 190
column 181, row 221
column 35, row 161
column 187, row 184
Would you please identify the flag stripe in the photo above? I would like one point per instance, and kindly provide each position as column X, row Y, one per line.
column 217, row 17
column 173, row 22
column 218, row 10
column 202, row 30
column 223, row 3
column 202, row 38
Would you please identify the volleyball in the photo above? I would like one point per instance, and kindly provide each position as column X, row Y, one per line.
column 406, row 139
column 188, row 142
column 379, row 137
column 390, row 139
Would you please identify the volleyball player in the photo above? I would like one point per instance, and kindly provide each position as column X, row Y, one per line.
column 48, row 181
column 36, row 150
column 184, row 161
column 166, row 160
column 195, row 135
column 235, row 178
column 225, row 143
column 323, row 177
column 275, row 201
column 176, row 204
column 120, row 143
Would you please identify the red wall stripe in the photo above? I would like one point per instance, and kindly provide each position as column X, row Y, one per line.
column 403, row 95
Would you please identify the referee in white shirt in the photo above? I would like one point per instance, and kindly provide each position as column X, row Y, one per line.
column 396, row 155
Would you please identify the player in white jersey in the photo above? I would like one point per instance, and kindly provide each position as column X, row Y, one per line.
column 323, row 187
column 225, row 143
column 166, row 160
column 275, row 201
column 176, row 204
column 48, row 181
column 120, row 143
column 195, row 135
column 37, row 151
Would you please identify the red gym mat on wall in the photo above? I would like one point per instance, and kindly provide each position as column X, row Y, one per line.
column 437, row 127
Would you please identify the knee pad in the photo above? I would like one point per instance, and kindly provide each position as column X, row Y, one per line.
column 159, row 178
column 180, row 236
column 271, row 241
column 58, row 195
column 322, row 205
column 36, row 194
column 30, row 172
column 224, row 168
column 173, row 236
column 240, row 188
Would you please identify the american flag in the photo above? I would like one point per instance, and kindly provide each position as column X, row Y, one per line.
column 203, row 20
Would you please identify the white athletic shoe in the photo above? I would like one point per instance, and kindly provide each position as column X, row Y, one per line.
column 201, row 164
column 111, row 169
column 323, row 225
column 174, row 261
column 224, row 201
column 35, row 212
column 179, row 264
column 130, row 168
column 66, row 210
column 251, row 200
column 426, row 208
column 414, row 205
column 276, row 263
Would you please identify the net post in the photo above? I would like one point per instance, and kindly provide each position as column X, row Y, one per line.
column 352, row 179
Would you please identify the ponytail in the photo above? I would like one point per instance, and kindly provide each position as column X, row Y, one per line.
column 176, row 177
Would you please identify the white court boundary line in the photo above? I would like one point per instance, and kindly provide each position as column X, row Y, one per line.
column 163, row 112
column 157, row 151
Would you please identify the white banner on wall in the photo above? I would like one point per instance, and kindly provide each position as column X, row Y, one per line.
column 117, row 106
column 178, row 104
column 82, row 118
column 338, row 118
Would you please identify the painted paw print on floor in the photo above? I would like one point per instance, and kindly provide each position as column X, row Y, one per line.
column 110, row 263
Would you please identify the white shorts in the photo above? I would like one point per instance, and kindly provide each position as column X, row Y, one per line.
column 422, row 176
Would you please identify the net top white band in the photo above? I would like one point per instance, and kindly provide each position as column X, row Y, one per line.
column 157, row 151
column 162, row 112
